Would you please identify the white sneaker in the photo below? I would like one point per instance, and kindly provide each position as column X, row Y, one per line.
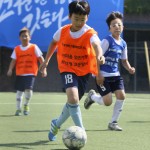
column 88, row 101
column 114, row 126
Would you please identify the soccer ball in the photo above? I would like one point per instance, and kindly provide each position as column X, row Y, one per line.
column 74, row 138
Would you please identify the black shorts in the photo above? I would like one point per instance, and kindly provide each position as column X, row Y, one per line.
column 111, row 84
column 24, row 82
column 72, row 80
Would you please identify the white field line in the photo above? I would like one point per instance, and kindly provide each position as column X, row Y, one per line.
column 35, row 103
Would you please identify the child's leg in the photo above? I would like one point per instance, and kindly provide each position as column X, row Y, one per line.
column 56, row 123
column 103, row 98
column 113, row 125
column 19, row 98
column 117, row 110
column 120, row 96
column 97, row 98
column 29, row 83
column 75, row 113
column 93, row 97
column 64, row 116
column 28, row 96
column 71, row 108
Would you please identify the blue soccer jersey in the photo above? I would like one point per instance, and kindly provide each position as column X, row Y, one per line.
column 113, row 54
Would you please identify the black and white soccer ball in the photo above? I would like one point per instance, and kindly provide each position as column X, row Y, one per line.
column 74, row 138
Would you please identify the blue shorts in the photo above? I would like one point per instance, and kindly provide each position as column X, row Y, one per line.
column 72, row 80
column 24, row 82
column 111, row 84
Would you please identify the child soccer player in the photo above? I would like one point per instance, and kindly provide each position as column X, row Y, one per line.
column 25, row 58
column 114, row 49
column 79, row 54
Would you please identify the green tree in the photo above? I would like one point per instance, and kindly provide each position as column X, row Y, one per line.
column 137, row 7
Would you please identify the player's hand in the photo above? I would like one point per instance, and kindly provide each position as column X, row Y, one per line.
column 44, row 73
column 102, row 60
column 43, row 66
column 132, row 70
column 9, row 73
column 99, row 79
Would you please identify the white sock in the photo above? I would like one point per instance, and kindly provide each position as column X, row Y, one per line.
column 117, row 110
column 28, row 95
column 98, row 99
column 19, row 98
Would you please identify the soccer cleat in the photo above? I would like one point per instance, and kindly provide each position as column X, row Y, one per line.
column 88, row 101
column 18, row 113
column 26, row 110
column 114, row 126
column 53, row 131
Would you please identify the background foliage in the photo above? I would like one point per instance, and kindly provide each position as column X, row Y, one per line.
column 137, row 7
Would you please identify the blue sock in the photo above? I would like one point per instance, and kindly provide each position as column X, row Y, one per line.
column 64, row 116
column 75, row 113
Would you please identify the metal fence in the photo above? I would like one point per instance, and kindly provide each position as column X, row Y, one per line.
column 139, row 82
column 133, row 83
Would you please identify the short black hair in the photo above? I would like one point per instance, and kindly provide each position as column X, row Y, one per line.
column 24, row 29
column 112, row 16
column 79, row 7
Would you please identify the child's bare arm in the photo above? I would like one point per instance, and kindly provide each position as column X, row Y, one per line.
column 127, row 66
column 11, row 67
column 44, row 72
column 100, row 60
column 49, row 54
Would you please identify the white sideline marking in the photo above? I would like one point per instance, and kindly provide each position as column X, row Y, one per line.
column 35, row 103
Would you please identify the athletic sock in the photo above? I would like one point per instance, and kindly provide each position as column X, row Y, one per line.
column 19, row 98
column 117, row 110
column 28, row 95
column 75, row 113
column 63, row 117
column 98, row 99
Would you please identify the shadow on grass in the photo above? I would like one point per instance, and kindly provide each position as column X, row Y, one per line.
column 59, row 149
column 24, row 145
column 97, row 130
column 33, row 131
column 28, row 145
column 138, row 121
column 7, row 115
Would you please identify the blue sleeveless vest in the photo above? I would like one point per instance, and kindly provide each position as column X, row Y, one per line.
column 112, row 55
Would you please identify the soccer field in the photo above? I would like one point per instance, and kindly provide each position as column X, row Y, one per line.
column 31, row 132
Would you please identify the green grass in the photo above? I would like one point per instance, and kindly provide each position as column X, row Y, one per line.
column 30, row 132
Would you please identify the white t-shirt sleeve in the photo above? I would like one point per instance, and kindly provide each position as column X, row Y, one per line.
column 124, row 54
column 94, row 38
column 38, row 51
column 104, row 45
column 56, row 35
column 13, row 55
